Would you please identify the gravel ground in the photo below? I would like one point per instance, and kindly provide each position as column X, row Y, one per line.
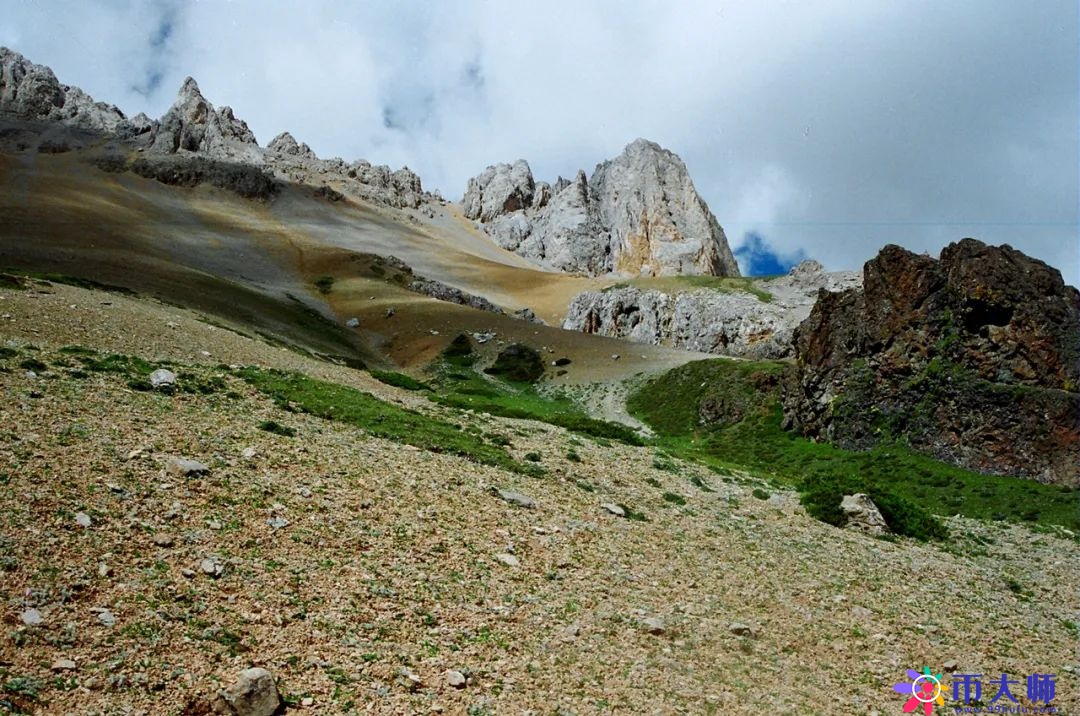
column 388, row 572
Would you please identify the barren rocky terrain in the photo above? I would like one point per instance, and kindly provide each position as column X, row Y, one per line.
column 369, row 576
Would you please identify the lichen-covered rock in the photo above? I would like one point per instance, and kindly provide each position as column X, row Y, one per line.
column 725, row 322
column 254, row 693
column 863, row 515
column 973, row 358
column 638, row 214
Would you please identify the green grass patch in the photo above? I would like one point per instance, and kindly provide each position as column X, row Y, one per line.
column 399, row 380
column 725, row 284
column 273, row 426
column 343, row 404
column 743, row 398
column 465, row 389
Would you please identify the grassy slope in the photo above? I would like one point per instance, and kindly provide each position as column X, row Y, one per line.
column 670, row 403
column 457, row 384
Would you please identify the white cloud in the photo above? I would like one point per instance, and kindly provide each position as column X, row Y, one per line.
column 831, row 126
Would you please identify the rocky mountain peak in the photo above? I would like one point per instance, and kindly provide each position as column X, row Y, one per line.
column 638, row 214
column 968, row 357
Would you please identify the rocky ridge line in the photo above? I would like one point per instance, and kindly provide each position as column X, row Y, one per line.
column 192, row 127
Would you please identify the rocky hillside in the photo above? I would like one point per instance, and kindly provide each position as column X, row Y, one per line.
column 638, row 214
column 973, row 358
column 757, row 320
column 65, row 118
column 158, row 544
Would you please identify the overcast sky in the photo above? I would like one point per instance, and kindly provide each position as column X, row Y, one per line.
column 826, row 127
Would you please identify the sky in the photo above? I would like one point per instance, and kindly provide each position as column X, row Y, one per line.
column 816, row 128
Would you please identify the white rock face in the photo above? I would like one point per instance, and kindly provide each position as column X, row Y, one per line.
column 32, row 92
column 193, row 125
column 639, row 214
column 732, row 323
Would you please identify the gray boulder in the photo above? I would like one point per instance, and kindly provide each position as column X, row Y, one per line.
column 253, row 694
column 863, row 515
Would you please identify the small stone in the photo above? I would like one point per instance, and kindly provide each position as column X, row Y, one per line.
column 184, row 467
column 104, row 570
column 390, row 312
column 106, row 618
column 93, row 683
column 508, row 559
column 455, row 679
column 134, row 454
column 304, row 492
column 211, row 567
column 654, row 625
column 517, row 498
column 353, row 322
column 82, row 519
column 187, row 573
column 248, row 453
column 162, row 379
column 950, row 666
column 253, row 694
column 740, row 629
column 32, row 617
column 307, row 702
column 162, row 539
column 277, row 522
column 63, row 665
column 613, row 509
column 614, row 356
column 861, row 612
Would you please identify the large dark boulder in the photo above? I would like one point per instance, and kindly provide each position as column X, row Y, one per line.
column 973, row 358
column 518, row 362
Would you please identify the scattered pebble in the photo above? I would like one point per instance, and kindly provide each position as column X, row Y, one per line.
column 740, row 629
column 185, row 467
column 455, row 679
column 508, row 559
column 32, row 617
column 161, row 539
column 82, row 519
column 162, row 379
column 654, row 625
column 105, row 617
column 277, row 522
column 613, row 509
column 517, row 498
column 211, row 566
column 63, row 665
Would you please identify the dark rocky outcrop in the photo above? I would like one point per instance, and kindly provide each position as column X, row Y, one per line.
column 973, row 358
column 244, row 179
